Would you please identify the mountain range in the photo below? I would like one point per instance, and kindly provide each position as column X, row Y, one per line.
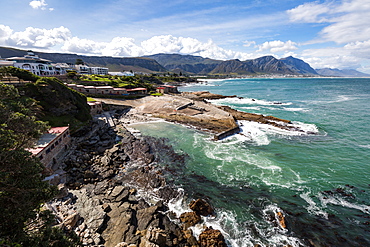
column 341, row 73
column 263, row 65
column 193, row 65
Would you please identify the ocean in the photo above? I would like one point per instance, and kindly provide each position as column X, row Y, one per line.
column 317, row 176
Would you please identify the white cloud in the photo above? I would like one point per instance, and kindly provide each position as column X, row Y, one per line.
column 83, row 46
column 5, row 33
column 39, row 4
column 248, row 43
column 278, row 46
column 331, row 58
column 171, row 44
column 348, row 20
column 34, row 37
column 309, row 12
column 122, row 46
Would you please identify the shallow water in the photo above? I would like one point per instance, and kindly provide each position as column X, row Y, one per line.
column 317, row 176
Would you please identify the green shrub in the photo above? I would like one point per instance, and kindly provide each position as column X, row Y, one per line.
column 20, row 73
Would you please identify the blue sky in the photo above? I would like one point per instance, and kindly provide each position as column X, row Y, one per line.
column 334, row 34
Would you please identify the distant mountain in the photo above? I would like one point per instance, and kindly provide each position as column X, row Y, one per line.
column 341, row 73
column 263, row 65
column 186, row 63
column 137, row 64
column 299, row 66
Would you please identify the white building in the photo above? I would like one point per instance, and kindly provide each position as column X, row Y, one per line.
column 36, row 65
column 99, row 71
column 83, row 69
column 86, row 70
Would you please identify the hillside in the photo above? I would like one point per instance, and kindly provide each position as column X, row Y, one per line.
column 341, row 73
column 262, row 65
column 298, row 66
column 186, row 63
column 138, row 64
column 205, row 66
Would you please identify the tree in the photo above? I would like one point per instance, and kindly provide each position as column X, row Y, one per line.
column 79, row 61
column 22, row 189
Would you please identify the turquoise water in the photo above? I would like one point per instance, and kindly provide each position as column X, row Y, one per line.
column 318, row 176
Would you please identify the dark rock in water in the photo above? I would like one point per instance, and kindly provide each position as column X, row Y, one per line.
column 167, row 193
column 281, row 219
column 189, row 219
column 212, row 238
column 201, row 207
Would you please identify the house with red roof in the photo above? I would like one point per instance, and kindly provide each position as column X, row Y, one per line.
column 51, row 145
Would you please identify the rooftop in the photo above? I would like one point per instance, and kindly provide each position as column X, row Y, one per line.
column 46, row 138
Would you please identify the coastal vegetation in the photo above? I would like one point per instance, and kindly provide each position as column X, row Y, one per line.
column 22, row 189
column 150, row 82
column 58, row 104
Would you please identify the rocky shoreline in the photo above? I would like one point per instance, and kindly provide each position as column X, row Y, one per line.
column 101, row 196
column 192, row 109
column 115, row 185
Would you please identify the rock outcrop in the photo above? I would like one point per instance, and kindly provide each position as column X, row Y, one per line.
column 113, row 178
column 211, row 238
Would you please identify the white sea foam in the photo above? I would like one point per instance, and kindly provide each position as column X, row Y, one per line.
column 365, row 146
column 247, row 101
column 312, row 207
column 342, row 202
column 177, row 205
column 259, row 133
column 236, row 234
column 297, row 109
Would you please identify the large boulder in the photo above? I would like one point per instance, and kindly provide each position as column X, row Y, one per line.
column 211, row 238
column 189, row 219
column 201, row 207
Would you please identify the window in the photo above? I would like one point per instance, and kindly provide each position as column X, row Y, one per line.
column 47, row 150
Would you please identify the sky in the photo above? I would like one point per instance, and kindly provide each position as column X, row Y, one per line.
column 325, row 34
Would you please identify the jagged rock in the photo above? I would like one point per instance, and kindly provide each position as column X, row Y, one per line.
column 70, row 222
column 212, row 238
column 117, row 191
column 125, row 245
column 145, row 243
column 101, row 187
column 145, row 217
column 90, row 209
column 96, row 238
column 156, row 236
column 118, row 227
column 281, row 219
column 188, row 234
column 201, row 207
column 106, row 207
column 189, row 219
column 62, row 191
column 145, row 178
column 89, row 174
